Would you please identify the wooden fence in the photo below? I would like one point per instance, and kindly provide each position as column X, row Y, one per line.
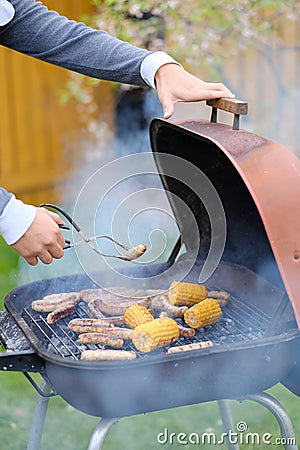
column 267, row 76
column 40, row 137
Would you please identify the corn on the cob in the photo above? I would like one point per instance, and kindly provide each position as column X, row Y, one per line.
column 155, row 334
column 203, row 314
column 186, row 294
column 137, row 315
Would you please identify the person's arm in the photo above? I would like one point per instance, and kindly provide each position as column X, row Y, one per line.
column 44, row 34
column 33, row 232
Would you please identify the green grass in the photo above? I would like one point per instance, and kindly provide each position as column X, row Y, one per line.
column 70, row 429
column 9, row 260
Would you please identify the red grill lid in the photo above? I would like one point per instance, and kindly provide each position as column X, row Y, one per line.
column 271, row 174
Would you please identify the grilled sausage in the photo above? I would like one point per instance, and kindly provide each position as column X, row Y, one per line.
column 93, row 309
column 100, row 338
column 163, row 314
column 135, row 252
column 113, row 320
column 221, row 296
column 161, row 303
column 111, row 309
column 186, row 332
column 53, row 301
column 188, row 347
column 60, row 313
column 97, row 326
column 118, row 309
column 156, row 303
column 88, row 295
column 123, row 333
column 84, row 323
column 88, row 325
column 107, row 355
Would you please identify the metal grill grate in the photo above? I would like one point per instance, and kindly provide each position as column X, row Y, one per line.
column 241, row 322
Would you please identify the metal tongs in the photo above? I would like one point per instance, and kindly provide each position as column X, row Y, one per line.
column 130, row 254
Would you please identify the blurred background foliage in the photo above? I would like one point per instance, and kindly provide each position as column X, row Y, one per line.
column 201, row 35
column 196, row 33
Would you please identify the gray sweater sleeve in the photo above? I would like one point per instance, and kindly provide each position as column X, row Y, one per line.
column 44, row 34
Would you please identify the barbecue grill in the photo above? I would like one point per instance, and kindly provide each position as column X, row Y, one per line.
column 258, row 183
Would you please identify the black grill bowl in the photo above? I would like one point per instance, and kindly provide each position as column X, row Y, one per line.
column 117, row 390
column 247, row 358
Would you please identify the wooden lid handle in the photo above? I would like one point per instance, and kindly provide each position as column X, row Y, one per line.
column 231, row 105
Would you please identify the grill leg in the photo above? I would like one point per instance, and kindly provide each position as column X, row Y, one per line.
column 285, row 424
column 39, row 418
column 100, row 432
column 228, row 423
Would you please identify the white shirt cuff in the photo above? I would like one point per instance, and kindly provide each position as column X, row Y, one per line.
column 152, row 63
column 16, row 219
column 7, row 12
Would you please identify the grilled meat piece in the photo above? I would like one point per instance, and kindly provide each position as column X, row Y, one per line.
column 97, row 326
column 53, row 301
column 100, row 338
column 120, row 292
column 113, row 304
column 135, row 252
column 188, row 347
column 186, row 332
column 93, row 309
column 123, row 333
column 111, row 307
column 163, row 314
column 88, row 325
column 107, row 355
column 160, row 303
column 60, row 313
column 113, row 320
column 221, row 296
column 88, row 295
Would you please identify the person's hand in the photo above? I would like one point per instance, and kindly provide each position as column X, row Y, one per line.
column 43, row 239
column 175, row 84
